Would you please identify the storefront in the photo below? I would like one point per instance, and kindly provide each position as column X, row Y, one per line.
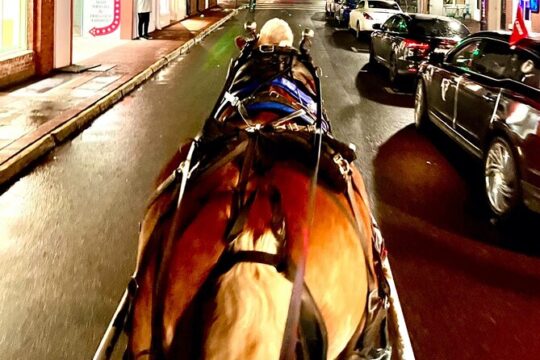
column 37, row 36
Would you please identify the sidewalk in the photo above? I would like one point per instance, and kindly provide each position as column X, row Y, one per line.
column 40, row 115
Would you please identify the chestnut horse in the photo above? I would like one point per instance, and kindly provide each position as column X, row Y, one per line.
column 259, row 191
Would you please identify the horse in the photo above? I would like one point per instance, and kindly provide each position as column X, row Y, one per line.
column 259, row 241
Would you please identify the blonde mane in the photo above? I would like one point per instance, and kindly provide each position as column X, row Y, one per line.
column 276, row 32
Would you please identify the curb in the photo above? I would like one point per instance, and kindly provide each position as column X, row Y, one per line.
column 13, row 166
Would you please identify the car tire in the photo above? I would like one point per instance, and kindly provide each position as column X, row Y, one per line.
column 420, row 107
column 501, row 179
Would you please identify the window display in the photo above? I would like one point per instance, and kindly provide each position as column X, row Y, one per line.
column 13, row 35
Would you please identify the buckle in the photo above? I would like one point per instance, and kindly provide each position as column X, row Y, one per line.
column 343, row 164
column 231, row 98
column 266, row 49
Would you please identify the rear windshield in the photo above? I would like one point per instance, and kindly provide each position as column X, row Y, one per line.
column 383, row 5
column 438, row 28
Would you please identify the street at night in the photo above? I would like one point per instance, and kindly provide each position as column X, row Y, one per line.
column 69, row 223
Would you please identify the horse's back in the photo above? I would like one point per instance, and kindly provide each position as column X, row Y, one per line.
column 335, row 272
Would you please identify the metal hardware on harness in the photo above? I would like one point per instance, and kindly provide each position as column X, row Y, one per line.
column 253, row 128
column 266, row 49
column 231, row 98
column 251, row 27
column 343, row 164
column 184, row 169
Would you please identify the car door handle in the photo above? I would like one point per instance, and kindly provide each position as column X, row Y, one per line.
column 489, row 97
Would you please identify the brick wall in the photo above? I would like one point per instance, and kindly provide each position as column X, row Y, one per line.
column 43, row 36
column 38, row 60
column 20, row 66
column 16, row 69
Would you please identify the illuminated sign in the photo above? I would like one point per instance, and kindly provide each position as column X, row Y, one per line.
column 101, row 18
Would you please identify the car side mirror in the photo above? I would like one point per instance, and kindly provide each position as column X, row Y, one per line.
column 377, row 27
column 436, row 57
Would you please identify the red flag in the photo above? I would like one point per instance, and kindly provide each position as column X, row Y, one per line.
column 519, row 30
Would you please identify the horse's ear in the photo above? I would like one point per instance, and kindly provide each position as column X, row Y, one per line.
column 240, row 42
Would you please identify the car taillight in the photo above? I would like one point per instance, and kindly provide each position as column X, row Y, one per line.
column 447, row 44
column 367, row 16
column 416, row 48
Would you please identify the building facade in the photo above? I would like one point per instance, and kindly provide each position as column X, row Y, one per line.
column 491, row 14
column 37, row 36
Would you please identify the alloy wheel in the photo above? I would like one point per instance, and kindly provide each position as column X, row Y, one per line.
column 501, row 179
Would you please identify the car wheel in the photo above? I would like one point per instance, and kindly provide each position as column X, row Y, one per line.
column 501, row 178
column 420, row 107
column 393, row 71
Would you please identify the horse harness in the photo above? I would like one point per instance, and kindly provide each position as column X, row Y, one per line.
column 229, row 133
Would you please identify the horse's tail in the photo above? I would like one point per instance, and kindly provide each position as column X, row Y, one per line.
column 250, row 307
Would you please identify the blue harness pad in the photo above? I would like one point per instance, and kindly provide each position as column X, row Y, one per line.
column 298, row 94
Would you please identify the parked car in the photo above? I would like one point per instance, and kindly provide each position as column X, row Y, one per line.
column 405, row 40
column 369, row 12
column 485, row 95
column 342, row 11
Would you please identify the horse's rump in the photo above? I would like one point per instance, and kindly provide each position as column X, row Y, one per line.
column 204, row 221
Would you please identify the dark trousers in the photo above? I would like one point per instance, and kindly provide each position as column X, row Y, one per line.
column 144, row 21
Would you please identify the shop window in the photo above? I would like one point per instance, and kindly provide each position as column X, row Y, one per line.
column 13, row 19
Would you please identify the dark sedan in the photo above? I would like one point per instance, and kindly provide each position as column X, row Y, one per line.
column 485, row 94
column 405, row 40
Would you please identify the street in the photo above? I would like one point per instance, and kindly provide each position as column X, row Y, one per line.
column 69, row 226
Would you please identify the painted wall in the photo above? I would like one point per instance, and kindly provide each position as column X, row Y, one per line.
column 62, row 33
column 494, row 15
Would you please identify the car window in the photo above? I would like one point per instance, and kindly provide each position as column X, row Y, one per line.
column 361, row 5
column 394, row 24
column 400, row 25
column 464, row 56
column 383, row 5
column 492, row 58
column 388, row 23
column 438, row 28
column 524, row 67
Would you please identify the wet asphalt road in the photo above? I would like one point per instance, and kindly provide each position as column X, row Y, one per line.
column 68, row 228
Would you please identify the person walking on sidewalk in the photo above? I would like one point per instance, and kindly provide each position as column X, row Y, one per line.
column 144, row 8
